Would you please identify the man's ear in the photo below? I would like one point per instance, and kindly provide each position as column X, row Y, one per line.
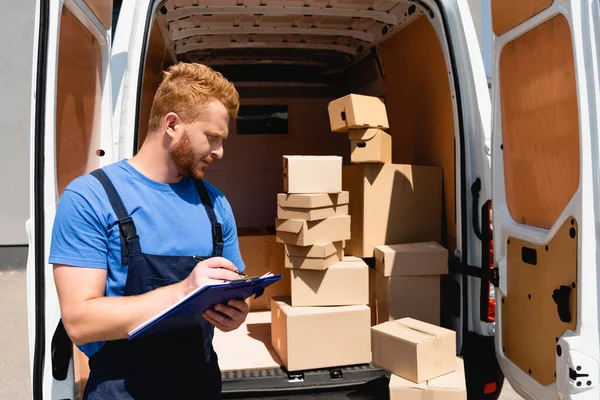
column 170, row 124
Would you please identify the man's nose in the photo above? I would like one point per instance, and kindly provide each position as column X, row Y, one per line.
column 217, row 153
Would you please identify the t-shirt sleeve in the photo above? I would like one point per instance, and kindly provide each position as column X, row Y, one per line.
column 79, row 238
column 231, row 247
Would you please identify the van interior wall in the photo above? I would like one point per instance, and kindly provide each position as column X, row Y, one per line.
column 419, row 104
column 251, row 172
column 157, row 60
column 78, row 99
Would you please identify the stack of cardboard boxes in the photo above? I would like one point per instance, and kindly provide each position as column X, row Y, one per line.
column 396, row 215
column 325, row 322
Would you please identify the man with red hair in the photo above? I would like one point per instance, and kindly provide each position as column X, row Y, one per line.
column 136, row 236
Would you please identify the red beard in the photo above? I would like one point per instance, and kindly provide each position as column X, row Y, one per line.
column 184, row 159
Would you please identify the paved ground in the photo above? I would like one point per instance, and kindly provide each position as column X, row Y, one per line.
column 14, row 358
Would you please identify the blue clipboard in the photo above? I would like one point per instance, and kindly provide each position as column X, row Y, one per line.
column 188, row 312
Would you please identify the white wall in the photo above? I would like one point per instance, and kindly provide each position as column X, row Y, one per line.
column 16, row 29
column 480, row 11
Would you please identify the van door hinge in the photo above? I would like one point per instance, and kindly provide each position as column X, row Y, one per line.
column 492, row 275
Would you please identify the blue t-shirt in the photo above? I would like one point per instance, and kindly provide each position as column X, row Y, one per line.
column 170, row 220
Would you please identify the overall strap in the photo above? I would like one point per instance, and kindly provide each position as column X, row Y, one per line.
column 130, row 241
column 217, row 230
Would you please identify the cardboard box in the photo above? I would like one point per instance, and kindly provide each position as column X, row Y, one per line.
column 313, row 200
column 451, row 386
column 370, row 146
column 398, row 297
column 426, row 258
column 308, row 233
column 343, row 284
column 414, row 350
column 312, row 214
column 312, row 174
column 317, row 257
column 356, row 111
column 391, row 204
column 261, row 254
column 307, row 338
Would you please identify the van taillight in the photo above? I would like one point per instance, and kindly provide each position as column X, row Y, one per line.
column 491, row 300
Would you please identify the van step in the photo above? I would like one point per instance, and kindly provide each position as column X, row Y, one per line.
column 275, row 382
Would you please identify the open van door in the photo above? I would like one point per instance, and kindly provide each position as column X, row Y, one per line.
column 545, row 195
column 70, row 136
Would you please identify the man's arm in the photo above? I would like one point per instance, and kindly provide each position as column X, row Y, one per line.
column 89, row 316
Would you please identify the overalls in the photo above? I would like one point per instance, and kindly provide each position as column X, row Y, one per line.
column 174, row 365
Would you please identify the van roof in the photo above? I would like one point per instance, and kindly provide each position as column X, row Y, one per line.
column 326, row 36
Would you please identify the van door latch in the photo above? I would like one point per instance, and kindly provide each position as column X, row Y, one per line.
column 492, row 275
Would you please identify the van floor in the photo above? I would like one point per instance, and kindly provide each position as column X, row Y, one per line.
column 248, row 347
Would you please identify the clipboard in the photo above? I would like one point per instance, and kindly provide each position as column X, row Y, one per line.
column 188, row 311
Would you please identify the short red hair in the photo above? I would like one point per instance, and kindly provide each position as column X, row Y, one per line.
column 187, row 88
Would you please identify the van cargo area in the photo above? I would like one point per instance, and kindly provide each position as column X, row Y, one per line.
column 289, row 60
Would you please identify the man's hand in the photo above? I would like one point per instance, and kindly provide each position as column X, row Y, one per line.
column 209, row 270
column 228, row 317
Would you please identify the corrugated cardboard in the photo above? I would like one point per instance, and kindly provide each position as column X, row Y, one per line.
column 356, row 111
column 320, row 337
column 370, row 146
column 317, row 257
column 313, row 200
column 426, row 258
column 392, row 203
column 342, row 284
column 398, row 297
column 308, row 233
column 414, row 350
column 312, row 214
column 312, row 174
column 262, row 254
column 321, row 250
column 451, row 386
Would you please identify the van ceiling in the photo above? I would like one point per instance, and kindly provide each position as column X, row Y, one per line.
column 308, row 41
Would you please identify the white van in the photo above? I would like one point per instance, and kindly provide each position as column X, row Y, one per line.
column 526, row 302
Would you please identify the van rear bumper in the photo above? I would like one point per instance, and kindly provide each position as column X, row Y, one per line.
column 363, row 381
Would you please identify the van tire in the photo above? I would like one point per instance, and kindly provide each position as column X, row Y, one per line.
column 481, row 366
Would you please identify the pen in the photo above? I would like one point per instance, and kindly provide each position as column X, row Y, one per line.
column 198, row 258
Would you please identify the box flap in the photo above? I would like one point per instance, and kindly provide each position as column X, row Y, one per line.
column 412, row 330
column 397, row 330
column 425, row 327
column 322, row 250
column 313, row 200
column 363, row 134
column 289, row 225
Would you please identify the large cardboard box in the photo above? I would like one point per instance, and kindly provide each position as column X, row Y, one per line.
column 426, row 258
column 312, row 174
column 343, row 284
column 356, row 111
column 312, row 214
column 392, row 204
column 261, row 254
column 317, row 257
column 308, row 233
column 451, row 386
column 307, row 338
column 414, row 350
column 370, row 146
column 398, row 297
column 312, row 200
